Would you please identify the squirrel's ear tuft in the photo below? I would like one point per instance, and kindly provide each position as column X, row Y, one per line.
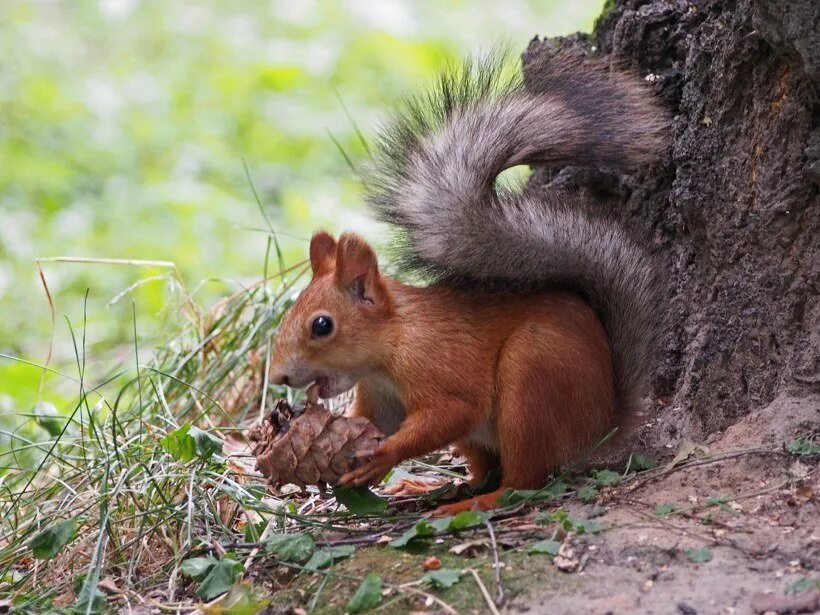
column 322, row 252
column 357, row 269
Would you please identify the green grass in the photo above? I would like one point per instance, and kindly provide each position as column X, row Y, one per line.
column 139, row 510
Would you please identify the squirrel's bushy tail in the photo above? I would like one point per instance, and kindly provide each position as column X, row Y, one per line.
column 434, row 178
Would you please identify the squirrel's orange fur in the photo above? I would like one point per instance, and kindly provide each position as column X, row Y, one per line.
column 520, row 380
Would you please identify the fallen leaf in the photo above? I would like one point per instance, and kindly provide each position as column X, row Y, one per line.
column 687, row 449
column 462, row 548
column 803, row 494
column 565, row 561
column 109, row 585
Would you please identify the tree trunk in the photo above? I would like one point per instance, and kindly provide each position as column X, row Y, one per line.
column 734, row 211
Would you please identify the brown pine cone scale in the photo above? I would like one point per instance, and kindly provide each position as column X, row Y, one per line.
column 307, row 445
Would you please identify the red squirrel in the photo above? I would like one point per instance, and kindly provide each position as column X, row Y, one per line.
column 533, row 337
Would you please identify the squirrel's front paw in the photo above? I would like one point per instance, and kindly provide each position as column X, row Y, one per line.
column 380, row 463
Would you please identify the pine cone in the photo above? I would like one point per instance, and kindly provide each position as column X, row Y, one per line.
column 307, row 445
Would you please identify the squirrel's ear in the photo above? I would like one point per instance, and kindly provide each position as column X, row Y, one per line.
column 322, row 252
column 357, row 269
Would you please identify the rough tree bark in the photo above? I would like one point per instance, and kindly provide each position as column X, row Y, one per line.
column 734, row 211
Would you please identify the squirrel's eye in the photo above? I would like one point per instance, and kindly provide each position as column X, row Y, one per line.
column 321, row 326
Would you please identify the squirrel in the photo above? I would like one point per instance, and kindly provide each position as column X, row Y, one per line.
column 533, row 336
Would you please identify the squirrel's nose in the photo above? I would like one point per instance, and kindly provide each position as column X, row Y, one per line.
column 280, row 378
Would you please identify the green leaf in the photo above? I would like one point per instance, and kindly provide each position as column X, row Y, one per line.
column 187, row 442
column 587, row 494
column 563, row 519
column 549, row 547
column 367, row 596
column 721, row 501
column 589, row 526
column 514, row 496
column 295, row 548
column 421, row 529
column 716, row 500
column 580, row 526
column 443, row 577
column 662, row 510
column 803, row 446
column 90, row 600
column 543, row 518
column 324, row 557
column 220, row 579
column 240, row 600
column 205, row 444
column 197, row 568
column 48, row 543
column 360, row 500
column 801, row 585
column 179, row 444
column 468, row 518
column 604, row 478
column 699, row 556
column 556, row 489
column 49, row 418
column 640, row 463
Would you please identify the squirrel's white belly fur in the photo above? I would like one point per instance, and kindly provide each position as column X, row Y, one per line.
column 391, row 412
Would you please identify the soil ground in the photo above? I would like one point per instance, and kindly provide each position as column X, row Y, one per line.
column 752, row 505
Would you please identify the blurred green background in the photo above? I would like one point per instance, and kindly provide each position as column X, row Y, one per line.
column 124, row 124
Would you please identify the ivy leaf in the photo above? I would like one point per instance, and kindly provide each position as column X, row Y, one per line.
column 421, row 529
column 662, row 510
column 205, row 444
column 179, row 444
column 325, row 557
column 699, row 556
column 367, row 596
column 220, row 579
column 548, row 547
column 604, row 478
column 443, row 577
column 197, row 568
column 640, row 463
column 295, row 548
column 587, row 494
column 360, row 500
column 48, row 543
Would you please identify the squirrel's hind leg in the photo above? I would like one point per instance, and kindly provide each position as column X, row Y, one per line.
column 480, row 461
column 555, row 399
